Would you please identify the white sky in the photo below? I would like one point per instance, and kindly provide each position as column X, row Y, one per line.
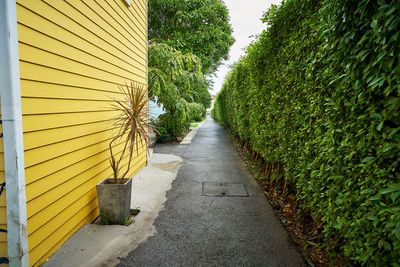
column 246, row 21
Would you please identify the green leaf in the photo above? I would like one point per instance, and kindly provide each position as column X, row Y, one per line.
column 380, row 126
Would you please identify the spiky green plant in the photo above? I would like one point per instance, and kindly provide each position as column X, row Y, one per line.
column 132, row 124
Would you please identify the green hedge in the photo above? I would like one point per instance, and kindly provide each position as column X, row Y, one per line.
column 197, row 111
column 318, row 93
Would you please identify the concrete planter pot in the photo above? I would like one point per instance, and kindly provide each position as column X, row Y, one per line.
column 114, row 200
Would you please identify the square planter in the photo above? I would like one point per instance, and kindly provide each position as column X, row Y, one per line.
column 114, row 200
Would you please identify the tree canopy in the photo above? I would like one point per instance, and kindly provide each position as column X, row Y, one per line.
column 176, row 80
column 200, row 27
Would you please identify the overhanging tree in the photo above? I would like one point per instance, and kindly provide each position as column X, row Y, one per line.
column 199, row 27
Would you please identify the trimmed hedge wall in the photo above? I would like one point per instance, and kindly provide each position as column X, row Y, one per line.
column 318, row 93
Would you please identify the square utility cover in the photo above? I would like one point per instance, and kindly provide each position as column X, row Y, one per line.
column 224, row 189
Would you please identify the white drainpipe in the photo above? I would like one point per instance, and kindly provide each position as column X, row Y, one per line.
column 11, row 114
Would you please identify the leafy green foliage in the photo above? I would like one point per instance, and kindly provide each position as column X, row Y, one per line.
column 318, row 92
column 199, row 27
column 197, row 112
column 175, row 79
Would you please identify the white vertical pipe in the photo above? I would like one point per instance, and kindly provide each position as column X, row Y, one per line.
column 12, row 136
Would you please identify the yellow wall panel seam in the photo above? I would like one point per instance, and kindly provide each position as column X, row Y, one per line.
column 66, row 126
column 143, row 8
column 139, row 31
column 77, row 61
column 56, row 165
column 32, row 123
column 138, row 13
column 51, row 241
column 127, row 18
column 94, row 90
column 69, row 139
column 74, row 73
column 123, row 35
column 41, row 237
column 64, row 153
column 29, row 181
column 43, row 185
column 88, row 219
column 96, row 23
column 108, row 101
column 35, row 56
column 74, row 86
column 95, row 34
column 89, row 53
column 66, row 112
column 29, row 34
column 31, row 71
column 142, row 28
column 90, row 183
column 91, row 42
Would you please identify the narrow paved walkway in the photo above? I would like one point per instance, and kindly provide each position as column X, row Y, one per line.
column 197, row 230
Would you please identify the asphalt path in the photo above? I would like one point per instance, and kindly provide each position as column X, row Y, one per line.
column 199, row 229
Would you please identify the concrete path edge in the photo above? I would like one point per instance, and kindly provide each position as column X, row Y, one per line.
column 102, row 245
column 188, row 138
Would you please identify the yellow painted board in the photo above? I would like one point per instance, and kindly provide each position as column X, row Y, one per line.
column 3, row 199
column 136, row 32
column 41, row 57
column 60, row 39
column 96, row 174
column 79, row 53
column 36, row 72
column 54, row 165
column 47, row 137
column 3, row 250
column 85, row 18
column 132, row 15
column 141, row 6
column 3, row 236
column 46, row 105
column 48, row 90
column 95, row 163
column 42, row 154
column 3, row 215
column 62, row 14
column 40, row 234
column 101, row 17
column 42, row 122
column 37, row 253
column 48, row 25
column 88, row 219
column 2, row 161
column 88, row 143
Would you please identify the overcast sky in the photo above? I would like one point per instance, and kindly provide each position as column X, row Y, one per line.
column 245, row 19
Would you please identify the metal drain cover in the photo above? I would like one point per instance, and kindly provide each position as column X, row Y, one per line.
column 224, row 189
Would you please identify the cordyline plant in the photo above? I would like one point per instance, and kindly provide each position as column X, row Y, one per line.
column 133, row 125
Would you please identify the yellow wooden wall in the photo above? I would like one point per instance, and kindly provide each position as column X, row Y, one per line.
column 3, row 211
column 73, row 53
